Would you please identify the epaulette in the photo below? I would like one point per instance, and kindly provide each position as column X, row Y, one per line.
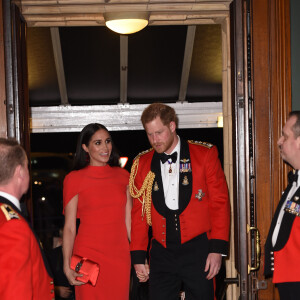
column 204, row 144
column 9, row 212
column 142, row 153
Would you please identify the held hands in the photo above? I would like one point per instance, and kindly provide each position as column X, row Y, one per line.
column 213, row 264
column 142, row 272
column 71, row 276
column 63, row 291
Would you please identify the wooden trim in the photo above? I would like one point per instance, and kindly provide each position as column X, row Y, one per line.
column 3, row 121
column 272, row 92
column 119, row 117
column 123, row 68
column 272, row 97
column 59, row 65
column 80, row 13
column 187, row 60
column 21, row 92
column 233, row 289
column 9, row 79
column 240, row 145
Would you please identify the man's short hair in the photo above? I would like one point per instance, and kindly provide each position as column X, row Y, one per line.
column 166, row 113
column 296, row 126
column 11, row 156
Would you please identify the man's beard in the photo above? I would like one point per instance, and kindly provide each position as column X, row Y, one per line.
column 164, row 146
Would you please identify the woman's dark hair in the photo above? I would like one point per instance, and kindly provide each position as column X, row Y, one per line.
column 81, row 157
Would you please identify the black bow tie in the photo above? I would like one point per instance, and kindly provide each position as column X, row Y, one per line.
column 293, row 176
column 164, row 157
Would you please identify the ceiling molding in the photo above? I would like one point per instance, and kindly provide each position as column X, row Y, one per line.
column 91, row 13
column 118, row 117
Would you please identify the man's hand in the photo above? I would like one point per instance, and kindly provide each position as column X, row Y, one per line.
column 142, row 272
column 62, row 291
column 213, row 264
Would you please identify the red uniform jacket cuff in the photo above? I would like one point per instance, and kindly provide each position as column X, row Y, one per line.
column 138, row 257
column 218, row 246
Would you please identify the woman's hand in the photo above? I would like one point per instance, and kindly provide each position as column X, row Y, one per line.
column 71, row 276
column 142, row 272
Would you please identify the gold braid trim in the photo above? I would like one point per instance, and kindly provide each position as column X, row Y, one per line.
column 145, row 191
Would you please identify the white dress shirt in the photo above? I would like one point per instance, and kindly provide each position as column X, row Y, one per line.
column 171, row 180
column 11, row 198
column 291, row 193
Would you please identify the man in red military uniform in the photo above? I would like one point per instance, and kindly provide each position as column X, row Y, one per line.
column 179, row 189
column 282, row 248
column 23, row 274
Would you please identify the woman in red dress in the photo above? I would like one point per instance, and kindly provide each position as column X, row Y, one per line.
column 97, row 193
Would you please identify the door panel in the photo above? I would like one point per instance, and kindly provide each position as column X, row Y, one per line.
column 3, row 123
column 272, row 97
column 17, row 98
column 261, row 101
column 261, row 96
column 240, row 141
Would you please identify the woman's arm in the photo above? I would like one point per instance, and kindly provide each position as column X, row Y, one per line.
column 128, row 213
column 69, row 234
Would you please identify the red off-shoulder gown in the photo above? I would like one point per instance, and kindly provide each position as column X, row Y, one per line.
column 102, row 235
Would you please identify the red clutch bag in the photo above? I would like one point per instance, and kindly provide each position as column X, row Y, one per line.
column 89, row 269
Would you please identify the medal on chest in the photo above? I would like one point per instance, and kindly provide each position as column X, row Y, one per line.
column 185, row 166
column 170, row 165
column 293, row 206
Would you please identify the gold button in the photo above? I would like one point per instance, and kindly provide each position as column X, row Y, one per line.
column 175, row 215
column 163, row 233
column 272, row 269
column 177, row 229
column 51, row 282
column 163, row 240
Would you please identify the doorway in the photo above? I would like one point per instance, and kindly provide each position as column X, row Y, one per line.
column 223, row 20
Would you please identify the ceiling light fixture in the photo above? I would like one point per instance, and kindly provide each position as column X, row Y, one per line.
column 126, row 22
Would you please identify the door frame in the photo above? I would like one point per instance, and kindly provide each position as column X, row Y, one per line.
column 270, row 45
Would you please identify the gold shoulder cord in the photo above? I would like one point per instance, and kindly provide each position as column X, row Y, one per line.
column 145, row 191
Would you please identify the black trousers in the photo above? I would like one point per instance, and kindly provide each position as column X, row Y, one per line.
column 289, row 290
column 180, row 264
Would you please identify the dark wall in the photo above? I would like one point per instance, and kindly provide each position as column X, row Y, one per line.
column 129, row 143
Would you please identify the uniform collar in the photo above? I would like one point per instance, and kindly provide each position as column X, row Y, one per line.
column 12, row 199
column 298, row 180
